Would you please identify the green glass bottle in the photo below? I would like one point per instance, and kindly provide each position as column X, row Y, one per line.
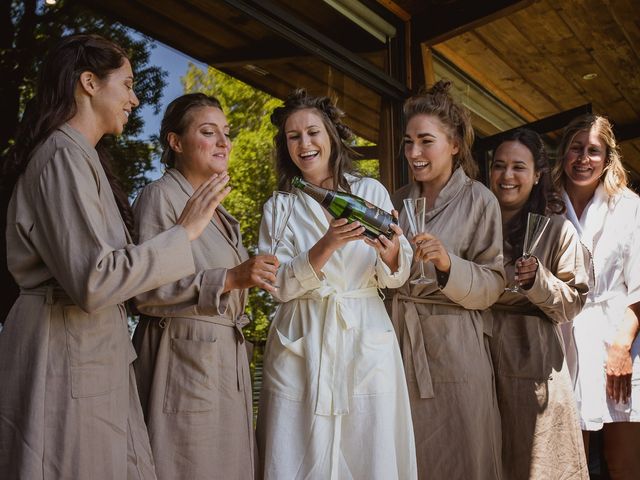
column 375, row 221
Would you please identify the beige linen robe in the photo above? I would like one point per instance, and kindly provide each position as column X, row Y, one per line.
column 444, row 336
column 69, row 406
column 541, row 436
column 192, row 368
column 334, row 401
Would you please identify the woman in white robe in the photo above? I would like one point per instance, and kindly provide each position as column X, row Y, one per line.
column 334, row 401
column 604, row 341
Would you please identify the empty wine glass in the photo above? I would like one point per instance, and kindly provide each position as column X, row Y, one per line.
column 416, row 209
column 536, row 224
column 282, row 207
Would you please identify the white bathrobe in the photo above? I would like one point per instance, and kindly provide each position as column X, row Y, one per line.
column 610, row 229
column 334, row 400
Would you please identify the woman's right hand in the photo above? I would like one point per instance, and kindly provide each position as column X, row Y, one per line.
column 200, row 207
column 259, row 271
column 341, row 232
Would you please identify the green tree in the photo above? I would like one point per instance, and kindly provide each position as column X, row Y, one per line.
column 28, row 28
column 250, row 166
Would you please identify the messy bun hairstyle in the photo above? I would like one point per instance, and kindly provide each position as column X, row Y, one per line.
column 341, row 159
column 438, row 102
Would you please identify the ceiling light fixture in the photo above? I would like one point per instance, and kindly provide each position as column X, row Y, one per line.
column 589, row 76
column 50, row 2
column 365, row 18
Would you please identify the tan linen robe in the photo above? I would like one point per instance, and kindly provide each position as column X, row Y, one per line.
column 69, row 404
column 443, row 336
column 192, row 368
column 541, row 436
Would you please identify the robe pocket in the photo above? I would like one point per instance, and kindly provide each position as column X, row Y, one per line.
column 529, row 348
column 446, row 338
column 285, row 368
column 96, row 350
column 192, row 376
column 374, row 367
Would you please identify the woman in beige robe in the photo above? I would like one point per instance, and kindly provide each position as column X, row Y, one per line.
column 69, row 406
column 540, row 428
column 442, row 332
column 192, row 368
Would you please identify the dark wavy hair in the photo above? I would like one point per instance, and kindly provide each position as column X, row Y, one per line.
column 54, row 104
column 341, row 159
column 177, row 117
column 544, row 198
column 438, row 102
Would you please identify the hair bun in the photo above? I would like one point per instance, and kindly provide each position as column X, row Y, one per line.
column 440, row 87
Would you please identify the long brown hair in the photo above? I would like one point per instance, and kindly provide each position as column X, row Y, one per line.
column 438, row 102
column 614, row 176
column 177, row 117
column 544, row 198
column 341, row 159
column 54, row 104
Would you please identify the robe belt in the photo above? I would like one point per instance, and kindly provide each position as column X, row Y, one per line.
column 413, row 340
column 333, row 397
column 237, row 324
column 51, row 293
column 519, row 310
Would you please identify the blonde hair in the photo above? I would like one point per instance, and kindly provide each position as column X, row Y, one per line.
column 614, row 176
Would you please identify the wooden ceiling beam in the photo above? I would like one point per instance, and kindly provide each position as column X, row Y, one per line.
column 627, row 132
column 448, row 21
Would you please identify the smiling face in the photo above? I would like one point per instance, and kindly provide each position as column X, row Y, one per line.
column 584, row 160
column 429, row 150
column 513, row 175
column 309, row 144
column 204, row 146
column 115, row 99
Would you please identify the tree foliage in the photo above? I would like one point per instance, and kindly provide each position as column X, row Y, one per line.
column 250, row 166
column 28, row 28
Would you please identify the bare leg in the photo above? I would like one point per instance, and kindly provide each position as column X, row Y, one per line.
column 585, row 440
column 622, row 450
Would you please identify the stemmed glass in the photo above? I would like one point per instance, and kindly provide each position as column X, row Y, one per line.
column 416, row 209
column 536, row 225
column 282, row 207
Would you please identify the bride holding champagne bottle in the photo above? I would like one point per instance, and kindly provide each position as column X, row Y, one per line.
column 334, row 400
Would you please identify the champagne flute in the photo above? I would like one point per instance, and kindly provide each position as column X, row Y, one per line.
column 536, row 225
column 282, row 207
column 416, row 209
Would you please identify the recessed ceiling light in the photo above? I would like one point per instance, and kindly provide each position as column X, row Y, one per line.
column 50, row 2
column 589, row 76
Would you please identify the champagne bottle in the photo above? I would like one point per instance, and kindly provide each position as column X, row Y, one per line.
column 375, row 221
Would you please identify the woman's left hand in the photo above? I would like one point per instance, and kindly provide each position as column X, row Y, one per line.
column 618, row 368
column 526, row 269
column 388, row 249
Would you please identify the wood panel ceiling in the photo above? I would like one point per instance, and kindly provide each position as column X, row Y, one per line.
column 539, row 59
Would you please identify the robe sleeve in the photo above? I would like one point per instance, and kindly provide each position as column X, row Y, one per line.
column 631, row 258
column 295, row 276
column 196, row 294
column 93, row 272
column 560, row 288
column 476, row 282
column 387, row 278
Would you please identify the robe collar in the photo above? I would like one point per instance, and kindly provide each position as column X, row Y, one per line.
column 448, row 194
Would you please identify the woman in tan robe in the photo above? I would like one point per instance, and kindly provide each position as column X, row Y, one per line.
column 69, row 406
column 442, row 332
column 540, row 428
column 192, row 368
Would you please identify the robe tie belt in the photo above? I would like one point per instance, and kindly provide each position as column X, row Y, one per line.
column 51, row 293
column 333, row 395
column 237, row 324
column 413, row 345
